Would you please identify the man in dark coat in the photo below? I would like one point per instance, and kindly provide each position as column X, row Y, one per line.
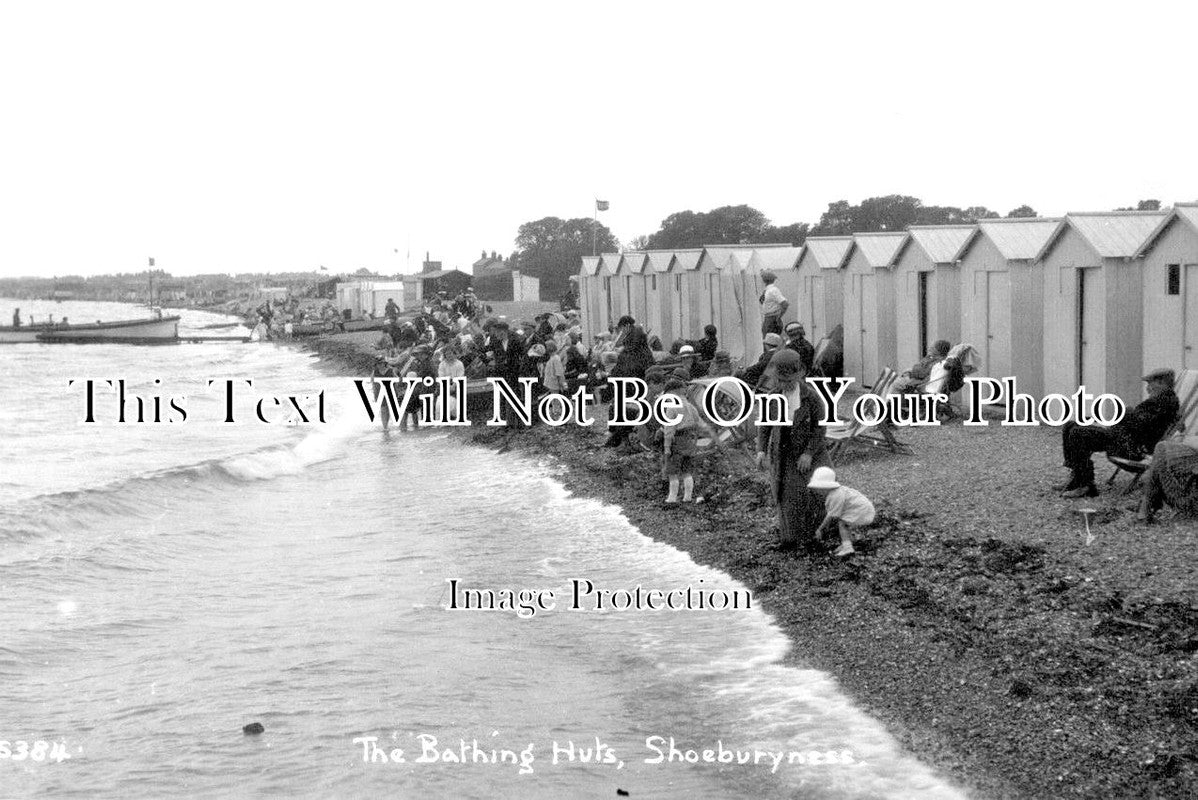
column 753, row 374
column 1133, row 437
column 796, row 339
column 793, row 452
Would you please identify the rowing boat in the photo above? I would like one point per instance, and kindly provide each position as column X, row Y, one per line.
column 160, row 330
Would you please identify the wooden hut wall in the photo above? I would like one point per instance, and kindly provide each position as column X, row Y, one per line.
column 1093, row 329
column 914, row 287
column 1001, row 314
column 868, row 319
column 924, row 288
column 1170, row 298
column 821, row 295
column 620, row 300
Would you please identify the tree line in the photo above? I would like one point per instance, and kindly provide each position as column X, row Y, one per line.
column 551, row 248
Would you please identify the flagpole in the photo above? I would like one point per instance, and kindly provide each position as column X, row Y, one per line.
column 595, row 230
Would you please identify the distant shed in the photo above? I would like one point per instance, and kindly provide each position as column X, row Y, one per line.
column 589, row 296
column 869, row 305
column 1094, row 302
column 1170, row 259
column 1002, row 298
column 927, row 284
column 607, row 308
column 820, row 271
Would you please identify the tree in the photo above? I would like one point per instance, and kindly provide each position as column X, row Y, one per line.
column 551, row 249
column 1022, row 211
column 1143, row 205
column 794, row 234
column 639, row 243
column 723, row 225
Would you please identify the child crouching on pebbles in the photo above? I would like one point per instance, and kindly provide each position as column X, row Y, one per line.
column 681, row 444
column 848, row 507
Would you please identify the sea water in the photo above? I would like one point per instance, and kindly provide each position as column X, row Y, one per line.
column 164, row 584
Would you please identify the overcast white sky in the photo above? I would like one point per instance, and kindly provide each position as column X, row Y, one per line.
column 247, row 136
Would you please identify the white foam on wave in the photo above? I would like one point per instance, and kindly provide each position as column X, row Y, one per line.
column 738, row 659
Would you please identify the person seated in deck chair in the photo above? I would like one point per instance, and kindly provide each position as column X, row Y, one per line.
column 913, row 379
column 1133, row 437
column 1172, row 479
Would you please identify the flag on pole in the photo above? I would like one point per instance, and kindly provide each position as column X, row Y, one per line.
column 151, row 262
column 601, row 205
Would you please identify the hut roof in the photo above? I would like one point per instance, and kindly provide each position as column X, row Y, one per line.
column 829, row 252
column 879, row 249
column 659, row 260
column 775, row 259
column 590, row 265
column 1182, row 214
column 718, row 254
column 943, row 244
column 1113, row 234
column 1189, row 212
column 1019, row 239
column 610, row 261
column 635, row 262
column 688, row 259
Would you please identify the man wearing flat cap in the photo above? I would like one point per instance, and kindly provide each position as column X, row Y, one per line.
column 1134, row 437
column 773, row 304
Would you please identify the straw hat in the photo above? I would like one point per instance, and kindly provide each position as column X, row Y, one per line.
column 823, row 478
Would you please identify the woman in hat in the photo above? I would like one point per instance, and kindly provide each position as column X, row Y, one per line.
column 794, row 451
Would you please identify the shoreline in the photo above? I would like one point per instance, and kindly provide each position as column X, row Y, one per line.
column 990, row 644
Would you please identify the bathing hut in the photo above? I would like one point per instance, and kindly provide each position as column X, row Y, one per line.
column 783, row 261
column 590, row 296
column 1002, row 298
column 927, row 287
column 869, row 305
column 1170, row 259
column 634, row 287
column 739, row 314
column 619, row 287
column 660, row 318
column 1093, row 302
column 722, row 280
column 685, row 290
column 607, row 314
column 820, row 270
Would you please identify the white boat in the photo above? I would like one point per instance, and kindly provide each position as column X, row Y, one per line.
column 23, row 334
column 161, row 330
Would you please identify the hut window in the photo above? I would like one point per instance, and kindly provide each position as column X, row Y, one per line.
column 653, row 282
column 1173, row 283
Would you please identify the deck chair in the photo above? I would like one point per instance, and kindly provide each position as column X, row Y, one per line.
column 881, row 435
column 728, row 402
column 1187, row 422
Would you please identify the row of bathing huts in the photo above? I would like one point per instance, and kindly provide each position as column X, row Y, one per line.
column 1093, row 299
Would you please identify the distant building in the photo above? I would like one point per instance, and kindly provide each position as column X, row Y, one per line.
column 496, row 279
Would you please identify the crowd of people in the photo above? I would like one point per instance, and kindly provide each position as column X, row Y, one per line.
column 448, row 339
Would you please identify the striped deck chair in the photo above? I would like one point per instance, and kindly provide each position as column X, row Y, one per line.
column 1187, row 422
column 881, row 435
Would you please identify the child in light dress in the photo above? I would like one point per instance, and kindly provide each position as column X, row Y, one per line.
column 847, row 507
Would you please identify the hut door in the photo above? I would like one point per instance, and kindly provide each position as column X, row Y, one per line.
column 1189, row 318
column 923, row 313
column 1089, row 329
column 680, row 308
column 815, row 312
column 998, row 324
column 867, row 311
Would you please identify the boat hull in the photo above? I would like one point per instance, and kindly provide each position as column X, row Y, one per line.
column 141, row 331
column 22, row 335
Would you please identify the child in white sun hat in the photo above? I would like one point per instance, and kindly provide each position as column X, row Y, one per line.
column 848, row 507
